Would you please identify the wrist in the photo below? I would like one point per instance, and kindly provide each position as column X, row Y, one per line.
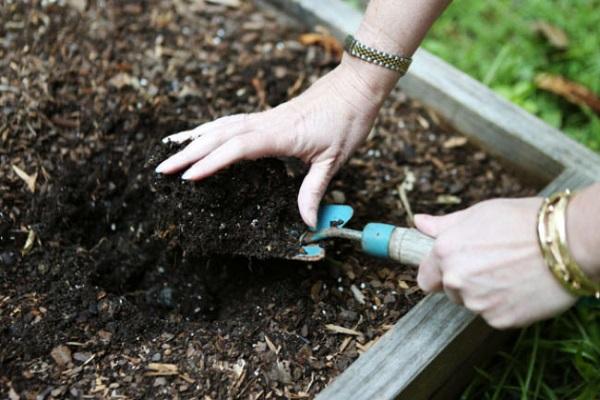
column 582, row 237
column 373, row 81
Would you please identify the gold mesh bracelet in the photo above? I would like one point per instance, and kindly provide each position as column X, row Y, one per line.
column 391, row 61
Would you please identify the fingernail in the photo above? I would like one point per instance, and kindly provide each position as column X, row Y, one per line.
column 166, row 139
column 186, row 176
column 162, row 167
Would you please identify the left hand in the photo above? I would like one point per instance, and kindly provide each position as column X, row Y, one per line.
column 487, row 258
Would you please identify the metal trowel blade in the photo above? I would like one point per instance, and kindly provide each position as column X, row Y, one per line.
column 330, row 215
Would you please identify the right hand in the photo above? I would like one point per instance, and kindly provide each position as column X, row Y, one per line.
column 322, row 127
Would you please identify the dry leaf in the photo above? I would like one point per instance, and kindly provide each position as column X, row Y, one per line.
column 572, row 91
column 456, row 141
column 28, row 179
column 329, row 43
column 553, row 34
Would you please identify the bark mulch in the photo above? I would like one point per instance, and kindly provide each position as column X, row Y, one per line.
column 108, row 289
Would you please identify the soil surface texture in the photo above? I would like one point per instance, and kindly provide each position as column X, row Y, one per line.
column 108, row 289
column 248, row 209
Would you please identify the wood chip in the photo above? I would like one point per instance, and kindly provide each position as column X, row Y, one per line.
column 407, row 185
column 187, row 378
column 448, row 199
column 271, row 345
column 28, row 179
column 227, row 3
column 342, row 330
column 61, row 355
column 345, row 344
column 402, row 285
column 161, row 369
column 28, row 243
column 358, row 295
column 124, row 79
column 259, row 87
column 364, row 347
column 456, row 141
column 79, row 5
column 12, row 395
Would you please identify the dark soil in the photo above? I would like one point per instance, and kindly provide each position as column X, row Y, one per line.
column 101, row 296
column 249, row 209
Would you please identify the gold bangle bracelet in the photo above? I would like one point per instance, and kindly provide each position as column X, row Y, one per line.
column 552, row 236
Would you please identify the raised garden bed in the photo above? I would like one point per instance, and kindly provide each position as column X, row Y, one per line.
column 98, row 296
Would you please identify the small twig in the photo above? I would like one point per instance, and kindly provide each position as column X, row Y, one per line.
column 407, row 186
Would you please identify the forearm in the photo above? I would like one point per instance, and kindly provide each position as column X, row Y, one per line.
column 583, row 229
column 396, row 27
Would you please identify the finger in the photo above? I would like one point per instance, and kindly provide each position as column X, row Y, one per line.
column 212, row 126
column 312, row 190
column 206, row 142
column 429, row 277
column 249, row 146
column 195, row 151
column 433, row 225
column 182, row 136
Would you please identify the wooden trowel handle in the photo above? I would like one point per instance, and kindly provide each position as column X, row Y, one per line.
column 405, row 245
column 409, row 246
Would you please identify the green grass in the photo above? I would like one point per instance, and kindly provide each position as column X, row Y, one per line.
column 494, row 42
column 557, row 359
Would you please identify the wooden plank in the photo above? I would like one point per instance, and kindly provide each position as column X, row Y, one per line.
column 400, row 356
column 572, row 178
column 505, row 130
column 337, row 16
column 502, row 128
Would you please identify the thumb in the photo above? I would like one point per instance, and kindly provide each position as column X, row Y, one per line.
column 434, row 225
column 312, row 191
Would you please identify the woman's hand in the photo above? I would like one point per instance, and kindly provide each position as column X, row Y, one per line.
column 322, row 127
column 487, row 258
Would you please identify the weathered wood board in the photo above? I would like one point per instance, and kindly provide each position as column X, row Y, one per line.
column 420, row 355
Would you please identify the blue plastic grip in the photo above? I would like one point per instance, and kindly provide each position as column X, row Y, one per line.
column 376, row 239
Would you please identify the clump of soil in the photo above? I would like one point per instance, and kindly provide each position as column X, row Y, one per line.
column 248, row 209
column 98, row 298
